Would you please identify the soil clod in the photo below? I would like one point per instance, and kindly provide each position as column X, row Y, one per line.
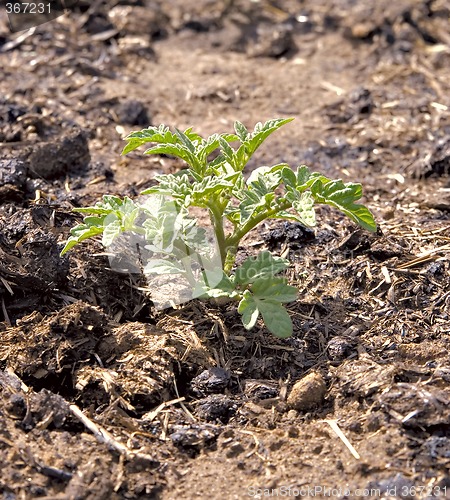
column 213, row 380
column 185, row 402
column 307, row 393
column 216, row 408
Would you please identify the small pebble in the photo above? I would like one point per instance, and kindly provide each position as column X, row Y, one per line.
column 339, row 348
column 292, row 414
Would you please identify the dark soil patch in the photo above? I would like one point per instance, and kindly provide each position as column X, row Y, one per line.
column 102, row 397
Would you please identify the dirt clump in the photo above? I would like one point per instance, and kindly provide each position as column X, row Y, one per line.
column 101, row 396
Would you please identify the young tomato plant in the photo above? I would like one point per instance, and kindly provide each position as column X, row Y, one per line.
column 218, row 185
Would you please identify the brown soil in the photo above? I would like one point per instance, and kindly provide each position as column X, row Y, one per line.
column 101, row 397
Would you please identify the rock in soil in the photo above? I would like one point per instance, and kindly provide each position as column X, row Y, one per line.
column 13, row 171
column 13, row 174
column 211, row 381
column 132, row 112
column 339, row 348
column 257, row 390
column 307, row 393
column 291, row 233
column 272, row 41
column 69, row 153
column 216, row 407
column 193, row 438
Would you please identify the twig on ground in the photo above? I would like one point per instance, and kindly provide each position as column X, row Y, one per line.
column 183, row 406
column 333, row 424
column 103, row 436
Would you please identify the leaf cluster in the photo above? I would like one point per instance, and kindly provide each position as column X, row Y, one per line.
column 214, row 180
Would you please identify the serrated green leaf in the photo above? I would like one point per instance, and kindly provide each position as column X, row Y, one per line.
column 227, row 150
column 161, row 266
column 169, row 229
column 217, row 165
column 343, row 197
column 251, row 206
column 193, row 136
column 159, row 134
column 175, row 185
column 304, row 206
column 264, row 265
column 229, row 137
column 241, row 131
column 260, row 171
column 304, row 175
column 131, row 146
column 110, row 232
column 108, row 204
column 128, row 205
column 185, row 140
column 248, row 309
column 274, row 289
column 112, row 202
column 186, row 145
column 258, row 196
column 241, row 158
column 205, row 148
column 235, row 158
column 289, row 177
column 177, row 150
column 122, row 211
column 267, row 177
column 79, row 233
column 261, row 132
column 301, row 180
column 210, row 184
column 276, row 318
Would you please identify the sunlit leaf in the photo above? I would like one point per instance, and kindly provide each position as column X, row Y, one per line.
column 343, row 197
column 264, row 265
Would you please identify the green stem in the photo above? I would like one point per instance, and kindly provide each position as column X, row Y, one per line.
column 232, row 242
column 229, row 260
column 236, row 237
column 217, row 219
column 184, row 250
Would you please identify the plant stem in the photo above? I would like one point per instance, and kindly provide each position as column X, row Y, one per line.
column 232, row 242
column 229, row 260
column 217, row 220
column 186, row 251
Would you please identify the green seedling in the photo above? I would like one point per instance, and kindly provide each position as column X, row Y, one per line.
column 214, row 180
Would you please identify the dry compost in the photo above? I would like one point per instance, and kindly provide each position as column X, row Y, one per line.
column 102, row 398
